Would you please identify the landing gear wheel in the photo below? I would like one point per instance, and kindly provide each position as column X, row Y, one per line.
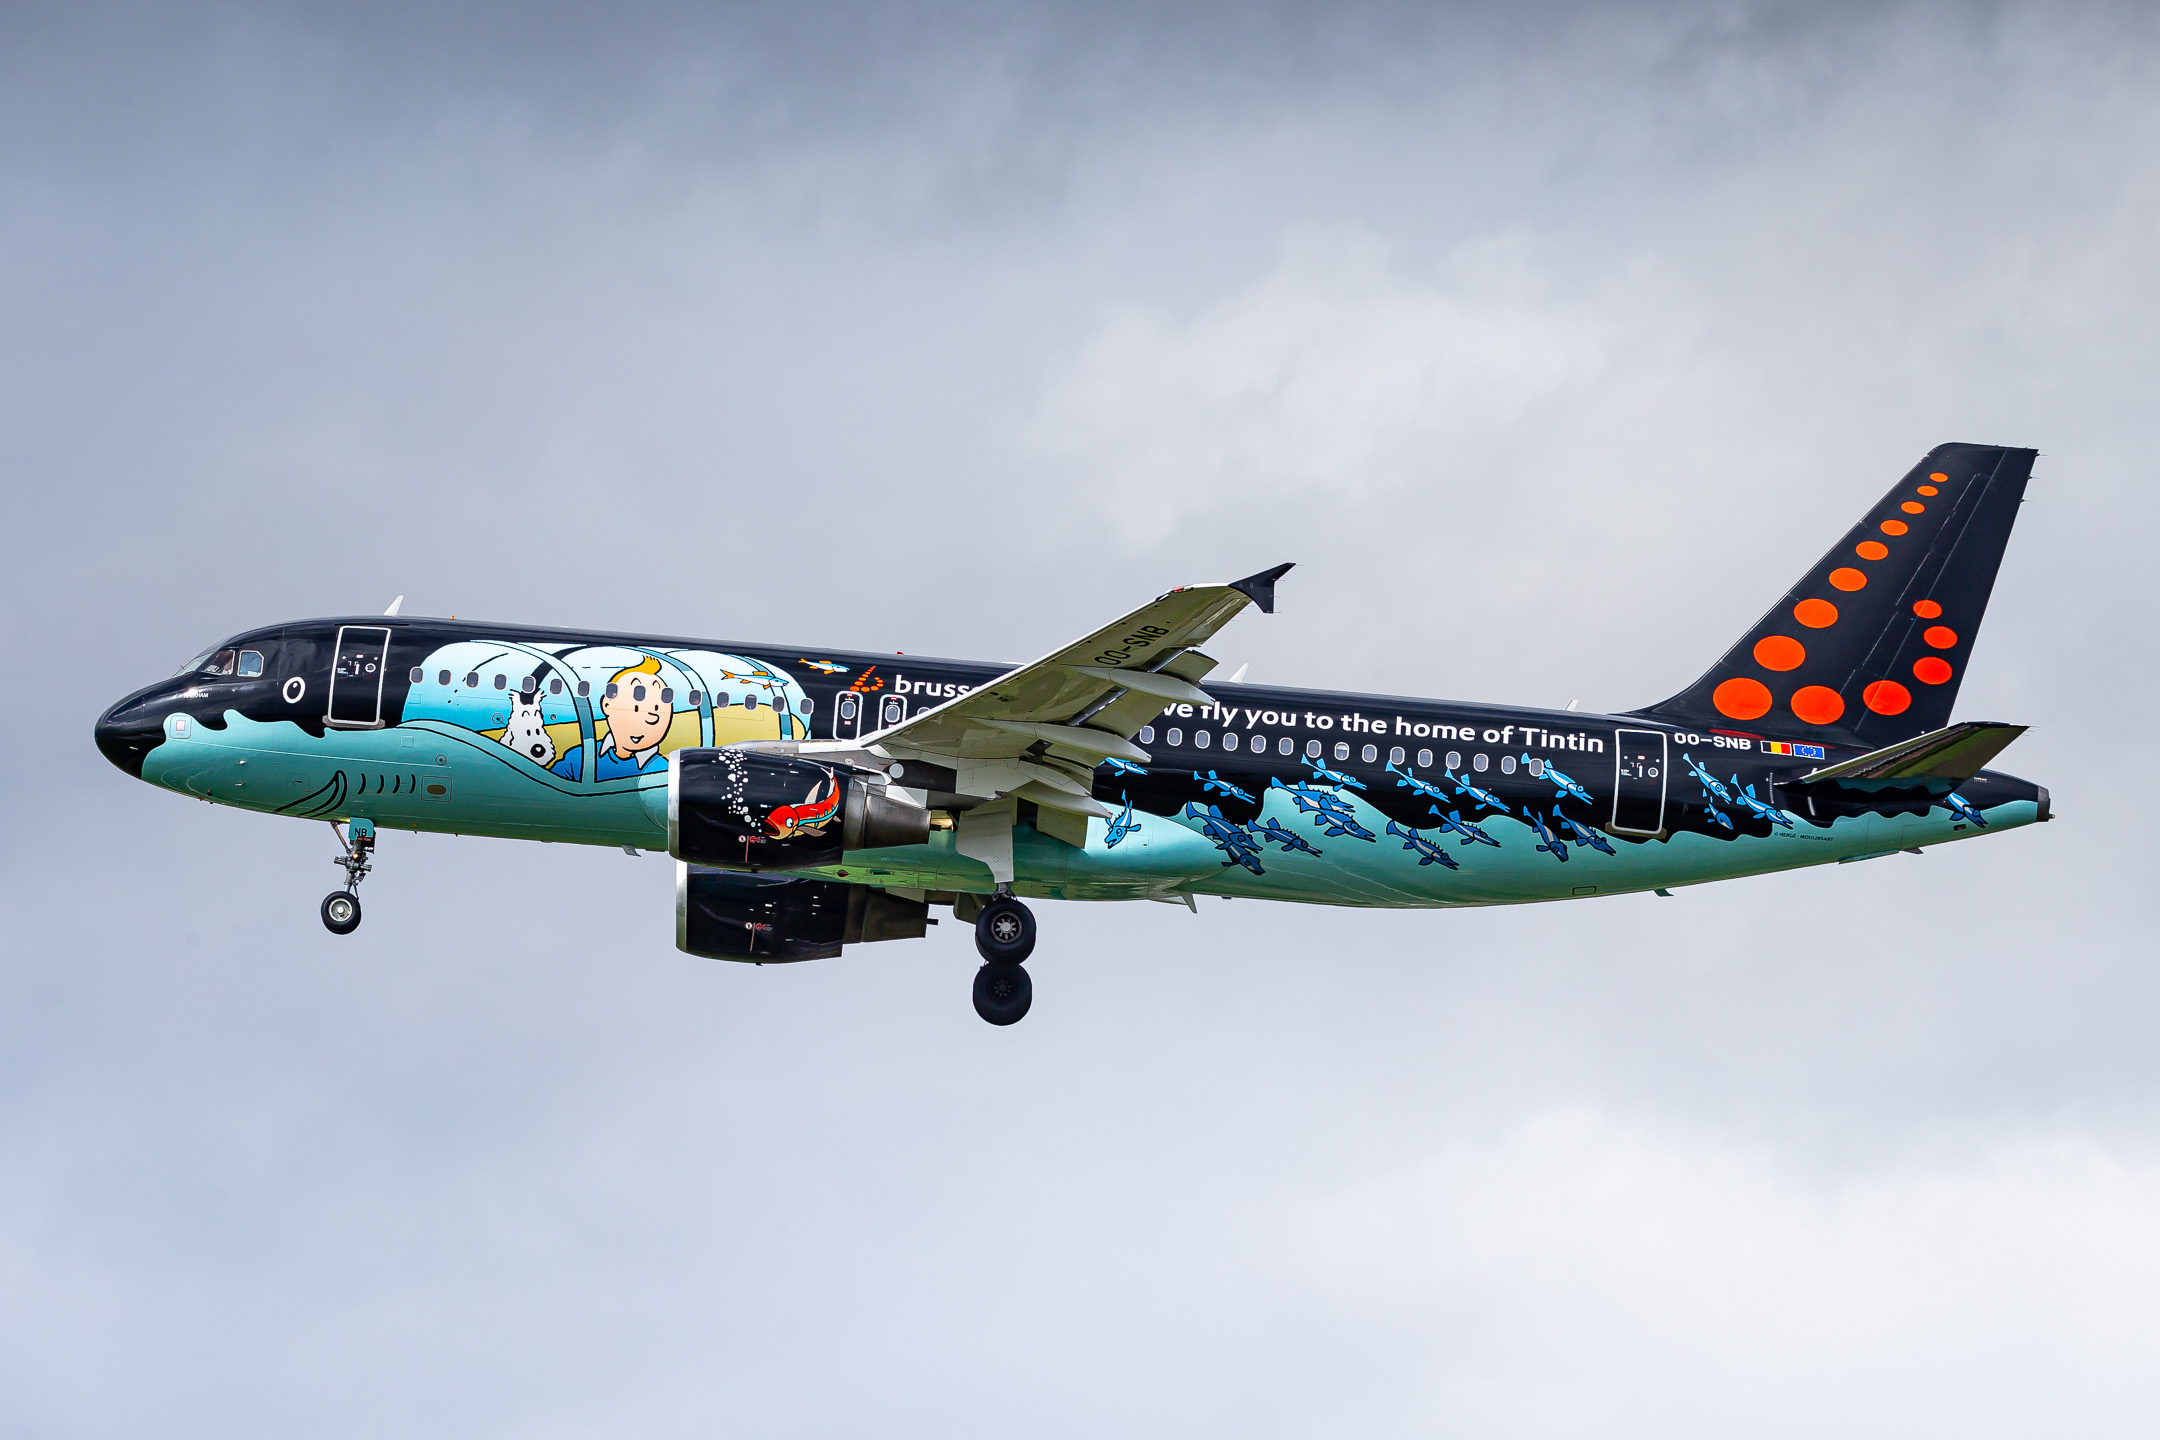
column 341, row 912
column 1003, row 992
column 1005, row 933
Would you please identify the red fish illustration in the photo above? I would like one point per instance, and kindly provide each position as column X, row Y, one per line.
column 812, row 814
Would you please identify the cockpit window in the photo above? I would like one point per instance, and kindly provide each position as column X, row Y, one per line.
column 219, row 664
column 250, row 663
column 193, row 665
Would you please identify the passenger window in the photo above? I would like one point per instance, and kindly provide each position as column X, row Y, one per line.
column 417, row 675
column 750, row 701
column 472, row 680
column 697, row 697
column 584, row 689
column 1424, row 759
column 501, row 683
column 1286, row 745
column 442, row 677
column 1200, row 739
column 1342, row 750
column 848, row 705
column 667, row 694
column 1395, row 757
column 554, row 684
column 612, row 689
column 528, row 687
column 894, row 712
column 809, row 705
column 1174, row 737
column 250, row 663
column 1480, row 763
column 1229, row 742
column 637, row 691
column 1312, row 749
column 1537, row 768
column 1371, row 753
column 1507, row 764
column 1147, row 734
column 1454, row 759
column 720, row 701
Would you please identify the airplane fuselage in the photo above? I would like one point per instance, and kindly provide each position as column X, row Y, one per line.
column 533, row 733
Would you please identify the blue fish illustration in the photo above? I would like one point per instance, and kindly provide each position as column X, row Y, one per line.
column 1547, row 841
column 1715, row 815
column 1307, row 798
column 1762, row 809
column 1337, row 822
column 1121, row 827
column 1289, row 839
column 1483, row 797
column 1124, row 767
column 1333, row 777
column 1582, row 834
column 1710, row 783
column 824, row 665
column 1471, row 834
column 1427, row 852
column 1230, row 837
column 1220, row 786
column 1963, row 809
column 1567, row 787
column 1407, row 779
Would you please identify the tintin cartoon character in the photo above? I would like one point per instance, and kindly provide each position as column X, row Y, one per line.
column 638, row 712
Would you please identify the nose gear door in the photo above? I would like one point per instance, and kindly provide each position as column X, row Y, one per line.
column 1639, row 786
column 356, row 678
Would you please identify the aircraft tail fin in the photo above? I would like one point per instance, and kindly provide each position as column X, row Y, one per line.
column 1870, row 646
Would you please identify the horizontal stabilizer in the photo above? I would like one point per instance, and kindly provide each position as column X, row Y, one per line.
column 1955, row 754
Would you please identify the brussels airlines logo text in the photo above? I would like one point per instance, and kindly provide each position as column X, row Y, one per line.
column 942, row 690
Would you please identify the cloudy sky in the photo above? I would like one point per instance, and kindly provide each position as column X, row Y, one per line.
column 1551, row 340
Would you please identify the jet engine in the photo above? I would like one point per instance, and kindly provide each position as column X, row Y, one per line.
column 726, row 915
column 749, row 810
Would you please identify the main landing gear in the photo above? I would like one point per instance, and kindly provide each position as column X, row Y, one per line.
column 341, row 908
column 1005, row 935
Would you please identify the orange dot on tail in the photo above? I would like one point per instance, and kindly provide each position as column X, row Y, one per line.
column 1779, row 652
column 1926, row 609
column 1872, row 550
column 1942, row 637
column 1894, row 527
column 1815, row 614
column 1912, row 507
column 1742, row 699
column 1886, row 697
column 1847, row 578
column 1931, row 669
column 1938, row 477
column 1818, row 704
column 1929, row 490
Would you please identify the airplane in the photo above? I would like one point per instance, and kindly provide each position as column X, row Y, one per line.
column 1123, row 767
column 975, row 786
column 1566, row 786
column 1483, row 797
column 1710, row 783
column 1333, row 777
column 1760, row 808
column 1547, row 841
column 1427, row 852
column 1471, row 834
column 1407, row 779
column 1116, row 830
column 1282, row 835
column 1582, row 834
column 1215, row 786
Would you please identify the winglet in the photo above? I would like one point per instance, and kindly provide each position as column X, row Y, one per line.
column 1260, row 588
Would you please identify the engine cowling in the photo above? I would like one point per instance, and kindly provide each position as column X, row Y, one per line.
column 749, row 810
column 729, row 915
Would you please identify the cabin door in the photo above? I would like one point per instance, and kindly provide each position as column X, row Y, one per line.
column 847, row 712
column 356, row 678
column 1639, row 786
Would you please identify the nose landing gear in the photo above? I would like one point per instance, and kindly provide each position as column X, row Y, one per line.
column 1005, row 936
column 341, row 908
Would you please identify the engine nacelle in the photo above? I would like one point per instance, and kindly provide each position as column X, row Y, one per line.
column 748, row 810
column 727, row 915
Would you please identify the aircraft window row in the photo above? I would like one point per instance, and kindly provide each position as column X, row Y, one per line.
column 231, row 662
column 1454, row 759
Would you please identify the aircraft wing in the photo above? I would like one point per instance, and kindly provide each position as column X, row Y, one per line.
column 1037, row 732
column 1955, row 754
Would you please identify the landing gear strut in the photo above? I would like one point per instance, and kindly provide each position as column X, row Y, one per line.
column 341, row 908
column 1005, row 935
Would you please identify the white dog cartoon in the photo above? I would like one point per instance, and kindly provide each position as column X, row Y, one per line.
column 527, row 732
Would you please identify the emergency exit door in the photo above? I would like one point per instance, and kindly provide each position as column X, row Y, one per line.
column 1638, row 806
column 847, row 713
column 356, row 678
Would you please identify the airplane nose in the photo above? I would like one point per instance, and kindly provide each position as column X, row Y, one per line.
column 129, row 731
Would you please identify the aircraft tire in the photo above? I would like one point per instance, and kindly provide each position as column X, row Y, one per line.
column 341, row 912
column 1005, row 931
column 1003, row 992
